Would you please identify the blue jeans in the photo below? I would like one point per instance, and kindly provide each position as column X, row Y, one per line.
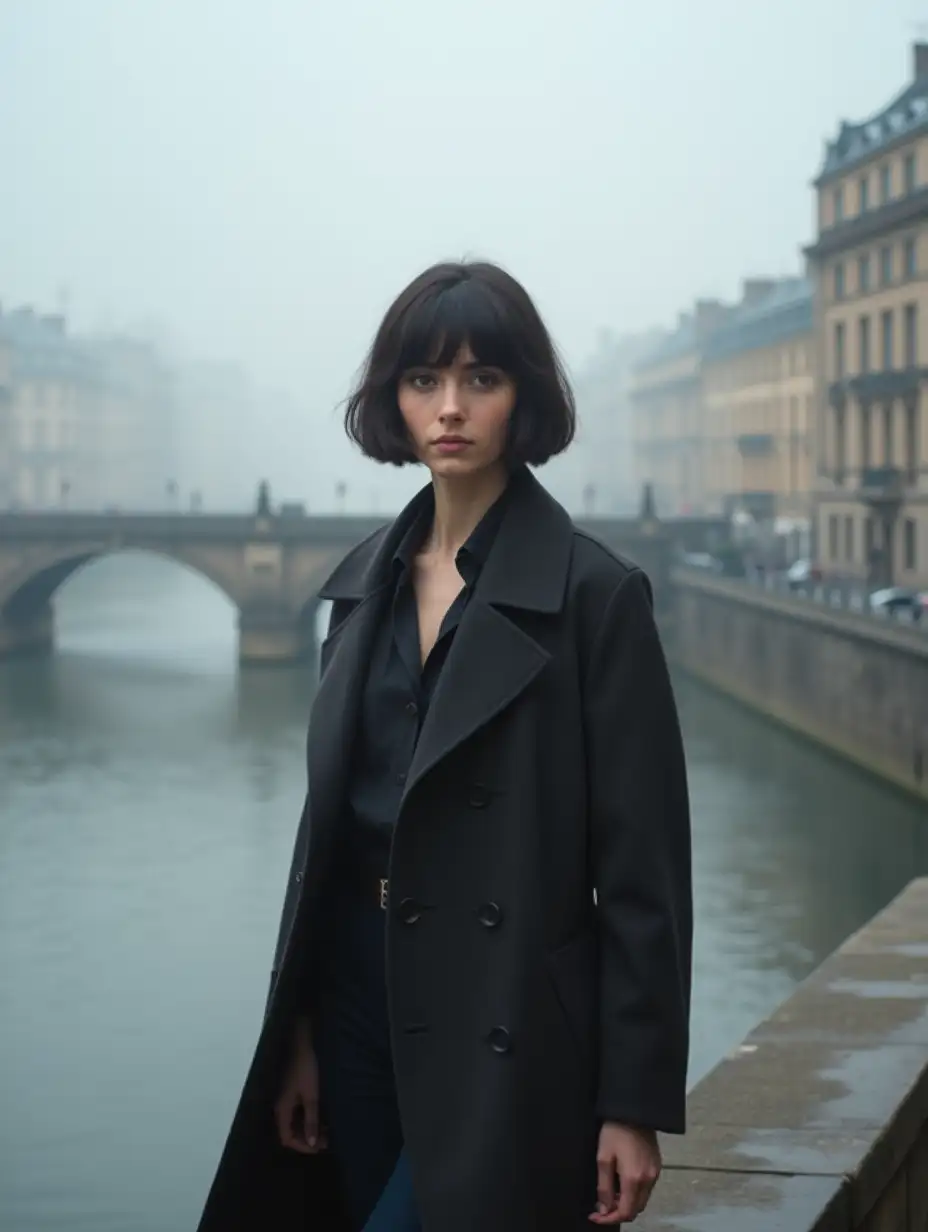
column 357, row 1087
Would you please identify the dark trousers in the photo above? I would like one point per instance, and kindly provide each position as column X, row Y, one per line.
column 357, row 1088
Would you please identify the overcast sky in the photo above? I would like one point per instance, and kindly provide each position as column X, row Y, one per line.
column 261, row 178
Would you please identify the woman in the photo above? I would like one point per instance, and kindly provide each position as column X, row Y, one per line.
column 479, row 1009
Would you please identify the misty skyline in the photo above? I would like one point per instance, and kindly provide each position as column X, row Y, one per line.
column 258, row 181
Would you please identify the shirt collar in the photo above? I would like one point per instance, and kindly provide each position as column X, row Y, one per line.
column 471, row 556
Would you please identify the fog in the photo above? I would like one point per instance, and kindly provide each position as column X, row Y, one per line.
column 252, row 183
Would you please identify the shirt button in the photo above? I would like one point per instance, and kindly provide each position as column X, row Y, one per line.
column 478, row 797
column 412, row 708
column 400, row 779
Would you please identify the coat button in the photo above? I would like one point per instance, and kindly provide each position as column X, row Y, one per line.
column 409, row 911
column 490, row 914
column 297, row 877
column 479, row 797
column 500, row 1040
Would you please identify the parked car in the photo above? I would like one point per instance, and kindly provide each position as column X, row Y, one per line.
column 702, row 560
column 802, row 573
column 899, row 601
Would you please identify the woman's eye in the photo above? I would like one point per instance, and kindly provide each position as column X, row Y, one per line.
column 421, row 380
column 486, row 380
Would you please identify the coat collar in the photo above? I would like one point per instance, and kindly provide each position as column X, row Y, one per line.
column 526, row 568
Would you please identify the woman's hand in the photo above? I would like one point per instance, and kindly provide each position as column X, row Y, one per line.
column 297, row 1109
column 635, row 1157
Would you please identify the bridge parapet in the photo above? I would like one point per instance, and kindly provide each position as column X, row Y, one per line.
column 269, row 565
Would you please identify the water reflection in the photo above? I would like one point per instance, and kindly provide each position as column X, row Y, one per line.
column 149, row 793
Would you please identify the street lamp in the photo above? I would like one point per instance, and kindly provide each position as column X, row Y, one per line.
column 341, row 491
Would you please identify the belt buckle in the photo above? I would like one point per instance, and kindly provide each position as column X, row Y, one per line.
column 384, row 886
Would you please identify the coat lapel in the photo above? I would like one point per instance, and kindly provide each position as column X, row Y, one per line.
column 492, row 659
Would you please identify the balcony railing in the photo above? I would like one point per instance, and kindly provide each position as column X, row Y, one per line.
column 881, row 485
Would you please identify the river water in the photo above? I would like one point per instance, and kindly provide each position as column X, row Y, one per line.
column 149, row 794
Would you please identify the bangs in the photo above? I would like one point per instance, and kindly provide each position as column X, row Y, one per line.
column 446, row 318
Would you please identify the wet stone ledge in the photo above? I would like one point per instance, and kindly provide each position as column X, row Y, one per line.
column 818, row 1121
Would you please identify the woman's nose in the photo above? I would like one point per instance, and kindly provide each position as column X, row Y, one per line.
column 451, row 401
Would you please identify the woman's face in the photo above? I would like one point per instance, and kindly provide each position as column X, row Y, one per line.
column 458, row 416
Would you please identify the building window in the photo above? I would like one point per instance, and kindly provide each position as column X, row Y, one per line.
column 840, row 357
column 886, row 265
column 837, row 204
column 909, row 177
column 910, row 545
column 910, row 258
column 886, row 339
column 888, row 450
column 865, row 435
column 863, row 338
column 863, row 273
column 849, row 538
column 863, row 193
column 833, row 536
column 839, row 280
column 840, row 444
column 911, row 335
column 868, row 539
column 886, row 183
column 911, row 440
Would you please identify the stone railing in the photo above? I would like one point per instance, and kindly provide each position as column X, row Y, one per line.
column 818, row 1122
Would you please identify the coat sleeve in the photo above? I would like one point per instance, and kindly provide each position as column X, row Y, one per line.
column 641, row 865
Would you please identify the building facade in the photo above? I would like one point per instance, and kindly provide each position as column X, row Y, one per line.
column 666, row 393
column 870, row 267
column 758, row 390
column 52, row 389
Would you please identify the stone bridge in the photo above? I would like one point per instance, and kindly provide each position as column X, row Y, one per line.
column 270, row 565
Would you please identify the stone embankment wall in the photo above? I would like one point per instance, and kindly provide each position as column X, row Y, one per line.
column 857, row 684
column 818, row 1121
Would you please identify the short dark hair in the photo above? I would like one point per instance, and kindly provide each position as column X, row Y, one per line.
column 427, row 324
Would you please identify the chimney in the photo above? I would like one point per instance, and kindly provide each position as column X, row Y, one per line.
column 920, row 59
column 710, row 313
column 753, row 290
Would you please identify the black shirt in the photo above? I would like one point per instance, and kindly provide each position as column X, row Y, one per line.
column 398, row 692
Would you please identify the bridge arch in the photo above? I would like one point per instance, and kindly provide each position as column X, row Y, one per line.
column 26, row 592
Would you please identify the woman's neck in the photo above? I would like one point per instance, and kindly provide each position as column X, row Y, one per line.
column 460, row 503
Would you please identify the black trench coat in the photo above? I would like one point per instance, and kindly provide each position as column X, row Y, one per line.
column 524, row 1009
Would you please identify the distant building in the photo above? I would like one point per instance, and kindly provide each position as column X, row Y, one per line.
column 597, row 474
column 870, row 261
column 131, row 430
column 217, row 434
column 669, row 425
column 758, row 390
column 52, row 384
